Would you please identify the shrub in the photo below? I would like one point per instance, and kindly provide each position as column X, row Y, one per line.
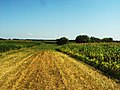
column 94, row 39
column 82, row 39
column 62, row 41
column 107, row 40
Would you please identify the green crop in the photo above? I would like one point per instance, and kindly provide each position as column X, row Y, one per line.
column 15, row 45
column 7, row 47
column 104, row 56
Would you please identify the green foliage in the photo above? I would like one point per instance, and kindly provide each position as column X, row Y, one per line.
column 82, row 39
column 94, row 39
column 107, row 40
column 62, row 41
column 104, row 56
column 86, row 39
column 6, row 47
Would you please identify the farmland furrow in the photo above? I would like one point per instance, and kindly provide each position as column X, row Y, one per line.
column 50, row 70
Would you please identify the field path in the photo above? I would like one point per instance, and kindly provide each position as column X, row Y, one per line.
column 49, row 70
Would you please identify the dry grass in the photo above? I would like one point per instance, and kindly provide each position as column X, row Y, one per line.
column 49, row 70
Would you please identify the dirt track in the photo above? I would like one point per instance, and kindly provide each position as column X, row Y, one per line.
column 49, row 70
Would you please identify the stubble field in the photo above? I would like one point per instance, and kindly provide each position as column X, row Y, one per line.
column 33, row 69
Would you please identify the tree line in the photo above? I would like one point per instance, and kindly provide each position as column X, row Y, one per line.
column 78, row 39
column 84, row 39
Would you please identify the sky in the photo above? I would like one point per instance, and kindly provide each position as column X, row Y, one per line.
column 52, row 19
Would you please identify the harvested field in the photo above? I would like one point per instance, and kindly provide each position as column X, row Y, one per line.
column 49, row 70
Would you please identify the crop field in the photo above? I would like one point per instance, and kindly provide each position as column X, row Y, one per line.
column 41, row 67
column 6, row 45
column 104, row 56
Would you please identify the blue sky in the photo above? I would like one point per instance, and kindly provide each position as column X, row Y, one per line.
column 51, row 19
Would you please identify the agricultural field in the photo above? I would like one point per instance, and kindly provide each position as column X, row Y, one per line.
column 7, row 45
column 103, row 56
column 41, row 67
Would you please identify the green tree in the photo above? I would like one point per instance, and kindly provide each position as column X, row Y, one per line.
column 107, row 40
column 82, row 39
column 94, row 39
column 62, row 41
